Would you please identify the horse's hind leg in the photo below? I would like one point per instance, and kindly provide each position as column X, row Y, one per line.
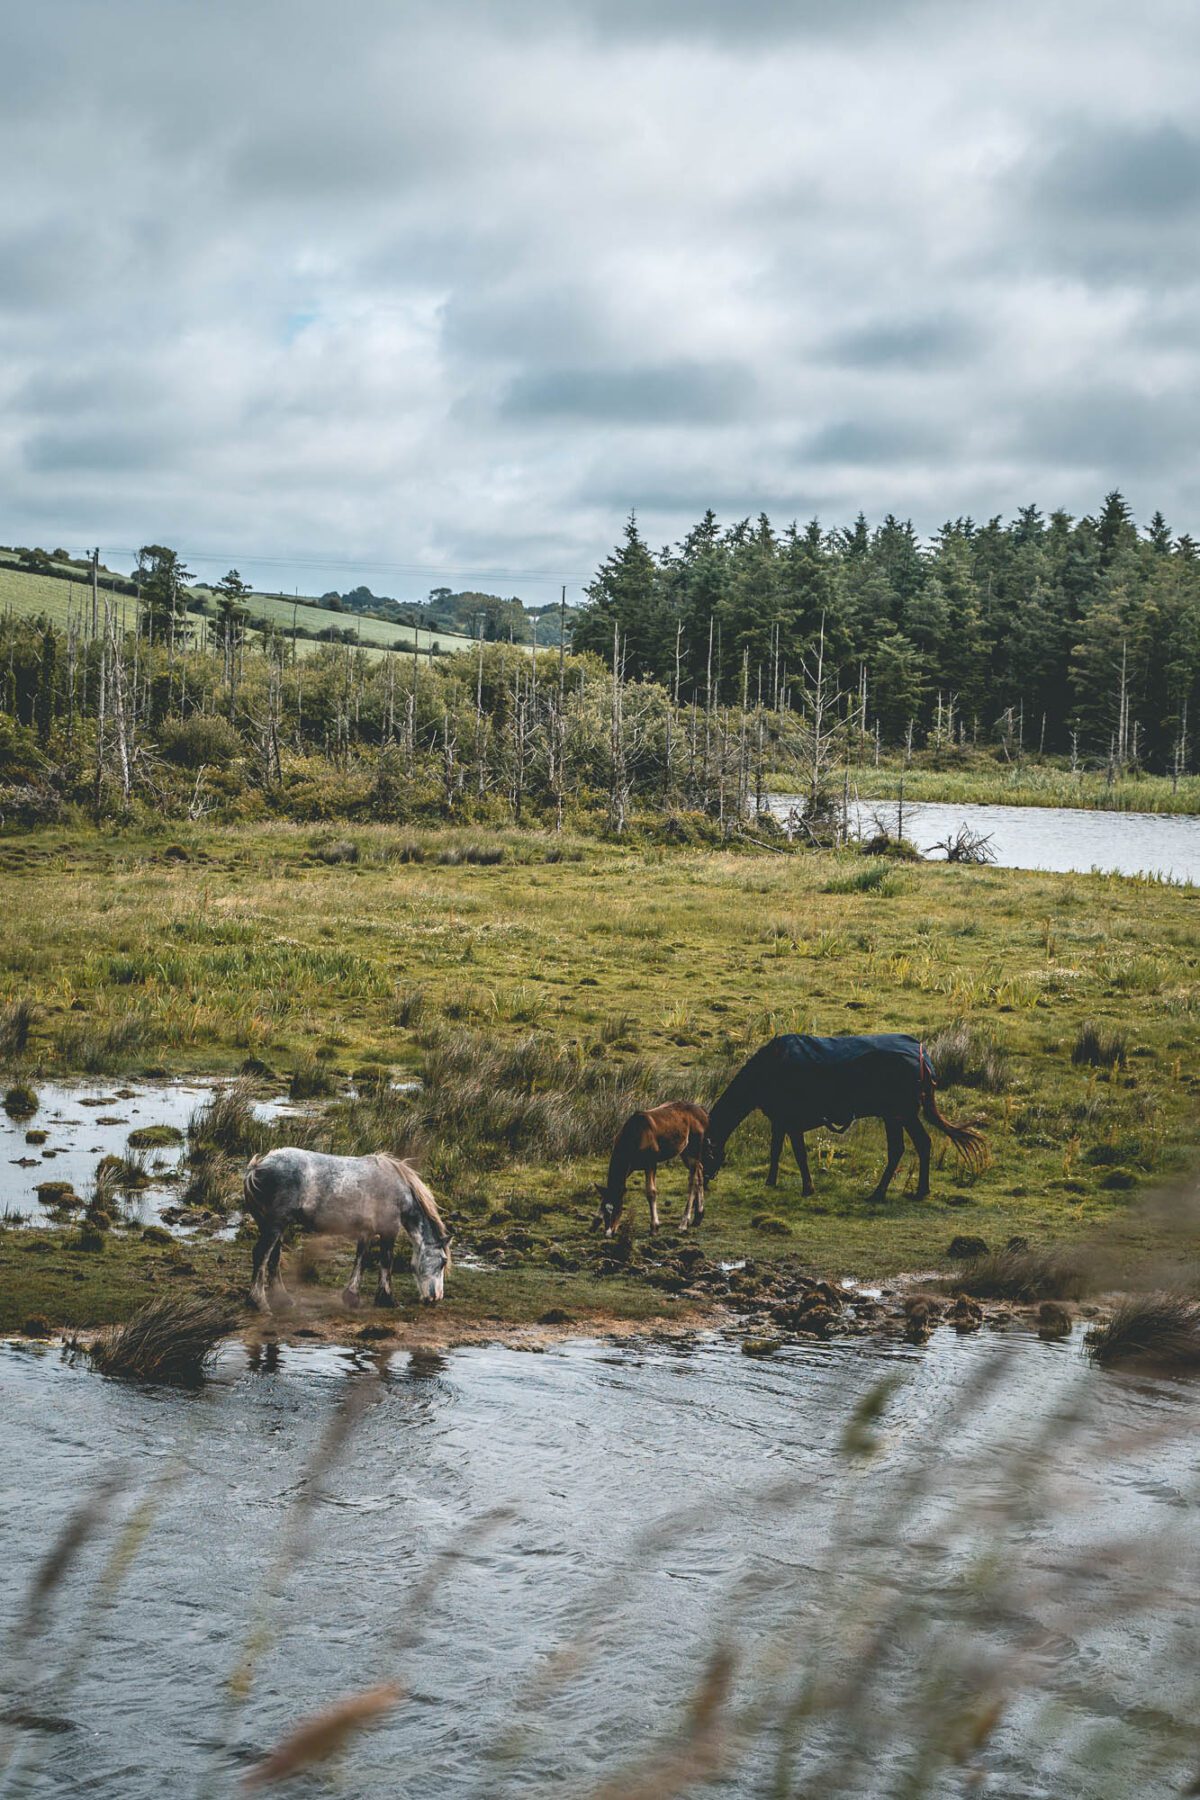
column 652, row 1197
column 895, row 1147
column 693, row 1211
column 800, row 1152
column 350, row 1293
column 921, row 1144
column 383, row 1293
column 777, row 1135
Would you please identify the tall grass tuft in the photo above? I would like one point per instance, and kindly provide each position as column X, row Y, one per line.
column 534, row 1097
column 964, row 1056
column 16, row 1023
column 1154, row 1330
column 1098, row 1047
column 226, row 1124
column 877, row 878
column 101, row 1049
column 168, row 1340
column 1024, row 1275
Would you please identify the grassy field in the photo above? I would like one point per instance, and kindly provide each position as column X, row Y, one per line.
column 542, row 987
column 28, row 595
column 990, row 783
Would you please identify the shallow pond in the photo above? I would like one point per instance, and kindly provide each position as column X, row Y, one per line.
column 1046, row 837
column 84, row 1121
column 663, row 1500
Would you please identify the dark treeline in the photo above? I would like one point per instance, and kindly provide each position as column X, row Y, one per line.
column 1073, row 636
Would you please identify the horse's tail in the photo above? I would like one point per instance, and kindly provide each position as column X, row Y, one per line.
column 253, row 1198
column 970, row 1144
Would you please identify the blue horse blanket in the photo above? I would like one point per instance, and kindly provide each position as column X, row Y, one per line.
column 836, row 1080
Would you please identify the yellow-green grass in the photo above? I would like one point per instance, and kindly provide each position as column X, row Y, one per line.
column 253, row 947
column 1031, row 783
column 279, row 611
column 62, row 600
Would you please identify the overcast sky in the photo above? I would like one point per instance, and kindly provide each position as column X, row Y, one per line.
column 418, row 293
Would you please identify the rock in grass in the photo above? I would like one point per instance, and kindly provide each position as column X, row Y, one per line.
column 168, row 1340
column 965, row 1249
column 57, row 1193
column 1054, row 1321
column 771, row 1225
column 154, row 1137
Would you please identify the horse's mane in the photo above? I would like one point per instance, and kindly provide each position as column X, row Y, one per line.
column 421, row 1195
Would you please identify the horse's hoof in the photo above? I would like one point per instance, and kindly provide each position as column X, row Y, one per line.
column 385, row 1297
column 350, row 1298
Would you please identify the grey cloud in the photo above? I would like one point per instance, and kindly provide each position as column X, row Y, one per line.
column 1114, row 201
column 933, row 341
column 681, row 393
column 439, row 284
column 879, row 441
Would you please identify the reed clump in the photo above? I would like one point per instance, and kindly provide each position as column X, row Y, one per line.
column 1023, row 1275
column 17, row 1021
column 1158, row 1330
column 227, row 1124
column 20, row 1101
column 535, row 1096
column 169, row 1340
column 964, row 1056
column 1099, row 1047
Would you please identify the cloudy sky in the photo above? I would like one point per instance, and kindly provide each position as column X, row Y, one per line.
column 416, row 293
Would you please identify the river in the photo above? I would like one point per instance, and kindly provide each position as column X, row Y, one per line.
column 1067, row 839
column 1019, row 1512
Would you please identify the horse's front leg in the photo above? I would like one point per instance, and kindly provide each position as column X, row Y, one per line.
column 895, row 1146
column 383, row 1293
column 350, row 1293
column 281, row 1300
column 776, row 1153
column 267, row 1239
column 652, row 1197
column 800, row 1152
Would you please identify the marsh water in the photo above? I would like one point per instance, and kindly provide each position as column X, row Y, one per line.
column 1066, row 839
column 81, row 1121
column 639, row 1506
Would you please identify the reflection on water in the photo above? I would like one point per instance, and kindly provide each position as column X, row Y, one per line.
column 1046, row 837
column 750, row 1523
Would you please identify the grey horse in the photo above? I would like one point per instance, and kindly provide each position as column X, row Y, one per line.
column 344, row 1196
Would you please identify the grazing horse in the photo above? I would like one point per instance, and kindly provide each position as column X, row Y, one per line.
column 344, row 1196
column 803, row 1082
column 645, row 1140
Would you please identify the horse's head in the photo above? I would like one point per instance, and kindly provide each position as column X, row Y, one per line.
column 611, row 1208
column 431, row 1259
column 712, row 1157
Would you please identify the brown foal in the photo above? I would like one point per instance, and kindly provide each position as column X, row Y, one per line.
column 645, row 1140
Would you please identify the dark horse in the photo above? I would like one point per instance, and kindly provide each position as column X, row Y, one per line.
column 645, row 1140
column 803, row 1082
